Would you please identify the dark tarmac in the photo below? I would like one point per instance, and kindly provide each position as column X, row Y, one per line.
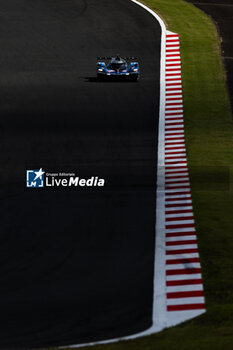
column 221, row 12
column 76, row 266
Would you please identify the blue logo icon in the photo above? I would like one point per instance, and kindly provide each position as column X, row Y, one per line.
column 35, row 178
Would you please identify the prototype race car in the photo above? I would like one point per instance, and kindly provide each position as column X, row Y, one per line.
column 118, row 67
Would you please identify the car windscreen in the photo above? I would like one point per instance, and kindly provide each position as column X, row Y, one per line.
column 116, row 65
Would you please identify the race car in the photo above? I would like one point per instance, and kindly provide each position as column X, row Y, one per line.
column 118, row 67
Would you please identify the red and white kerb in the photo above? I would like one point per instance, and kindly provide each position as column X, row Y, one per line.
column 184, row 289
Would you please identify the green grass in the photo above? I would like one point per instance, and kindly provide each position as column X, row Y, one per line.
column 209, row 138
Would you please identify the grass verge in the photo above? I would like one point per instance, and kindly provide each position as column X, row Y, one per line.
column 209, row 136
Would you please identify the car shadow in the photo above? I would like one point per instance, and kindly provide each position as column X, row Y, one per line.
column 108, row 80
column 91, row 79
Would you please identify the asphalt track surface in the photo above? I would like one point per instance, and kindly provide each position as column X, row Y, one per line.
column 221, row 12
column 76, row 266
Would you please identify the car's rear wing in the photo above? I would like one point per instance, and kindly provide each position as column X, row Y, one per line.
column 109, row 58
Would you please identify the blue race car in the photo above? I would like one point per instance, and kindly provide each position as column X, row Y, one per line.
column 118, row 67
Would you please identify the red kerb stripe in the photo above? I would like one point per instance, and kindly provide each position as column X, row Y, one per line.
column 174, row 84
column 171, row 152
column 174, row 104
column 174, row 148
column 181, row 251
column 177, row 193
column 174, row 170
column 183, row 271
column 176, row 157
column 179, row 181
column 185, row 211
column 168, row 51
column 182, row 261
column 177, row 205
column 172, row 74
column 169, row 244
column 175, row 162
column 183, row 282
column 176, row 200
column 175, row 113
column 189, row 294
column 179, row 226
column 169, row 55
column 179, row 218
column 181, row 234
column 186, row 307
column 176, row 187
column 174, row 80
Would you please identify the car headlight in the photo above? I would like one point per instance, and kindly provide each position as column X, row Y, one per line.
column 135, row 70
column 100, row 70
